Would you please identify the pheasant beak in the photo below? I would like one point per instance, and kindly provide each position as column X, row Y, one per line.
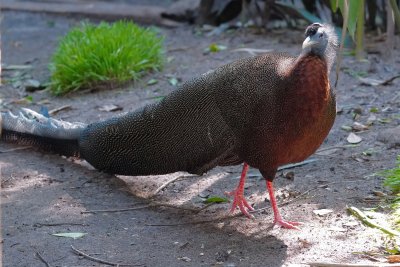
column 308, row 42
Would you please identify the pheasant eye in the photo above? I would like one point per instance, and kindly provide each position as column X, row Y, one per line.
column 312, row 29
column 321, row 35
column 310, row 32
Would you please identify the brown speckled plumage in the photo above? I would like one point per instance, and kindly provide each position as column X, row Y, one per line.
column 212, row 120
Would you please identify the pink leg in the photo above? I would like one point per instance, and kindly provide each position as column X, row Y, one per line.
column 277, row 216
column 239, row 200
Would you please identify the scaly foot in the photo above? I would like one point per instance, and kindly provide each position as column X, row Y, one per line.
column 287, row 224
column 240, row 201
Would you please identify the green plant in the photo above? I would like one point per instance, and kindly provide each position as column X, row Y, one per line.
column 354, row 13
column 392, row 177
column 107, row 54
column 353, row 21
column 392, row 180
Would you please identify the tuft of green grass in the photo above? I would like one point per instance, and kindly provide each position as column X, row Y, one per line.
column 392, row 177
column 392, row 180
column 104, row 55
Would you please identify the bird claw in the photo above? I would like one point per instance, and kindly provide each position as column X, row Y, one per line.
column 287, row 224
column 241, row 202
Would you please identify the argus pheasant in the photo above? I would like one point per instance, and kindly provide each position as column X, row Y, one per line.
column 263, row 111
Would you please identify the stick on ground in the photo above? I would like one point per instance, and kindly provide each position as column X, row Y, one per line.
column 80, row 253
column 116, row 210
column 42, row 259
column 58, row 224
column 165, row 185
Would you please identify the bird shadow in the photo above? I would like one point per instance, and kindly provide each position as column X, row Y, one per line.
column 47, row 194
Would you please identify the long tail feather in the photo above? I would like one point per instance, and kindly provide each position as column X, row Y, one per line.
column 48, row 134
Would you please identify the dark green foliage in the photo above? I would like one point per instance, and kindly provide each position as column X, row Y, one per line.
column 107, row 54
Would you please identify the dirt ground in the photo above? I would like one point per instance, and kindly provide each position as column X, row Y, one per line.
column 43, row 194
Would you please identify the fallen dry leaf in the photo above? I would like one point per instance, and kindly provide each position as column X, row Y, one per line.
column 110, row 108
column 370, row 81
column 359, row 159
column 358, row 127
column 70, row 235
column 187, row 259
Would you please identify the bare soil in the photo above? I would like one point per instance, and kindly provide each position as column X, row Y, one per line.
column 44, row 194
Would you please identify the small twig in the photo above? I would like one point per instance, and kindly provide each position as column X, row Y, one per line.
column 80, row 253
column 56, row 110
column 15, row 149
column 165, row 185
column 205, row 207
column 116, row 210
column 373, row 100
column 388, row 81
column 292, row 165
column 58, row 224
column 42, row 259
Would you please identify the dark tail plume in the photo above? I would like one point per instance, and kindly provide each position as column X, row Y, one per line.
column 47, row 134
